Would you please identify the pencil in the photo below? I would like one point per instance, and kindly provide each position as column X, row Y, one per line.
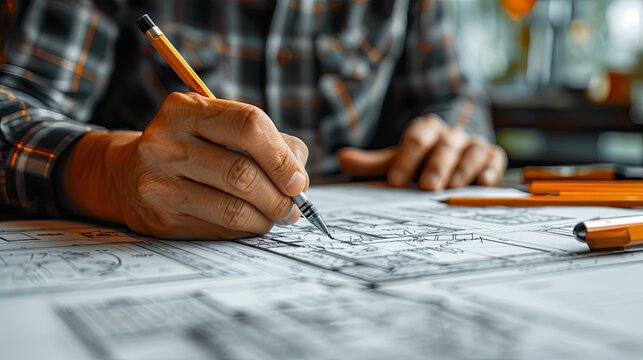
column 554, row 187
column 629, row 201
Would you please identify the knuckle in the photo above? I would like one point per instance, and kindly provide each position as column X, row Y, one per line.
column 282, row 163
column 174, row 98
column 252, row 122
column 416, row 139
column 475, row 151
column 435, row 122
column 172, row 102
column 477, row 141
column 235, row 214
column 281, row 208
column 185, row 108
column 451, row 146
column 243, row 174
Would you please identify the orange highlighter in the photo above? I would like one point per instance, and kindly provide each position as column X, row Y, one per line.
column 611, row 233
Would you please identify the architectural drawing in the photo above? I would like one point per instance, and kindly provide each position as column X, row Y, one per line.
column 405, row 276
column 312, row 322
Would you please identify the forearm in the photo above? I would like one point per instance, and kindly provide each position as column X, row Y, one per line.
column 95, row 172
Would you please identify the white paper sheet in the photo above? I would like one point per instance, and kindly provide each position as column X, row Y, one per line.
column 407, row 277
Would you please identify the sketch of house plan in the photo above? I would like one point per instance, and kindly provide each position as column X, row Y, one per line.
column 405, row 277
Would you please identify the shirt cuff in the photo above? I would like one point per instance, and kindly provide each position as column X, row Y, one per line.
column 31, row 170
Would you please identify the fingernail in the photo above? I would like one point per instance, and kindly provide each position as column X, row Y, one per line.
column 457, row 177
column 296, row 183
column 488, row 175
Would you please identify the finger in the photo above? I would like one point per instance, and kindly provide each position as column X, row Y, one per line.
column 237, row 175
column 418, row 139
column 298, row 147
column 496, row 165
column 300, row 150
column 246, row 127
column 220, row 208
column 185, row 227
column 472, row 161
column 364, row 163
column 443, row 159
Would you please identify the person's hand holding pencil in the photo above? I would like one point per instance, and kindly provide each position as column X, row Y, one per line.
column 177, row 179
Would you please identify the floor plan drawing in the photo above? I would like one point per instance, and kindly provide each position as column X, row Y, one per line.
column 311, row 324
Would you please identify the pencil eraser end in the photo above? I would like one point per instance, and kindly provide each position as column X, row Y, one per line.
column 144, row 23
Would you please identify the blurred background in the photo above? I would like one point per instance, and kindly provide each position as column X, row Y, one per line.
column 565, row 77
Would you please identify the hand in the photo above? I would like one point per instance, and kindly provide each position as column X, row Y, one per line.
column 178, row 179
column 445, row 157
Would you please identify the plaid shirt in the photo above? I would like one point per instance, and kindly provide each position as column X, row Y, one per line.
column 333, row 72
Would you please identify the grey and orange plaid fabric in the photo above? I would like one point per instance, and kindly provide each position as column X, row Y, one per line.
column 333, row 72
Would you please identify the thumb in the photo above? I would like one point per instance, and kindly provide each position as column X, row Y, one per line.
column 366, row 163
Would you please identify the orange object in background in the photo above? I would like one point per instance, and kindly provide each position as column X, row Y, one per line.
column 534, row 173
column 611, row 88
column 612, row 200
column 517, row 9
column 555, row 187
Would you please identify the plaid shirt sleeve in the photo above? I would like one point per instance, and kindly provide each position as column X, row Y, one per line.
column 434, row 75
column 57, row 61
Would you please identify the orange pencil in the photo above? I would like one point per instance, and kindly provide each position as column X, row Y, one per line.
column 531, row 173
column 582, row 172
column 555, row 187
column 172, row 57
column 628, row 201
column 601, row 193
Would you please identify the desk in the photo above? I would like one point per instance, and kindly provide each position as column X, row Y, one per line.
column 406, row 278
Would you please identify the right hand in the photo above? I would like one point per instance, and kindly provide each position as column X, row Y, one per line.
column 177, row 179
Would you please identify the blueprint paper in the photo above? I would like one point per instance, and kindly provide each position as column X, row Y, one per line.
column 407, row 277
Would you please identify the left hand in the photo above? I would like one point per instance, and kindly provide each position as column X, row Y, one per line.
column 445, row 157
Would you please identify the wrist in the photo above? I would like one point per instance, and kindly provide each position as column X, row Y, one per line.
column 95, row 174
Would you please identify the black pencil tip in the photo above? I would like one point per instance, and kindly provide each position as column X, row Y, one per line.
column 144, row 23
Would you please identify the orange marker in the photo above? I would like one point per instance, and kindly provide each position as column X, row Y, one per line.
column 611, row 233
